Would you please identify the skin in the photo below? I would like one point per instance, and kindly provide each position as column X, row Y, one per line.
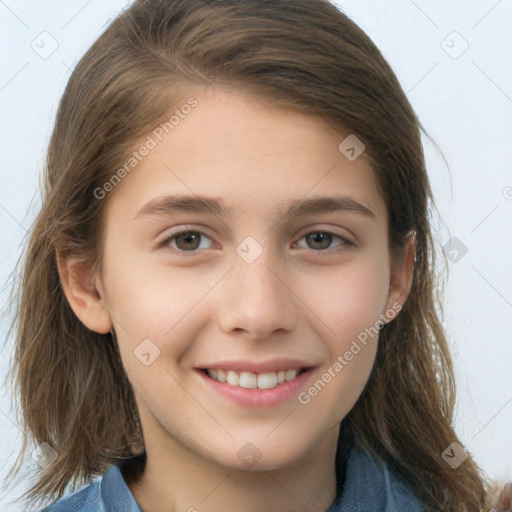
column 296, row 299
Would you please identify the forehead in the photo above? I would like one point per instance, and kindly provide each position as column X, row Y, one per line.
column 241, row 149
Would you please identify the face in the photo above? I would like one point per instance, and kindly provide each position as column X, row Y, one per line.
column 206, row 267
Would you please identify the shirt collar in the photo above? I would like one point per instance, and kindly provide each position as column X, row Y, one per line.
column 368, row 486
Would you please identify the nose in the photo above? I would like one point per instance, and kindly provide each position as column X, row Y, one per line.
column 256, row 299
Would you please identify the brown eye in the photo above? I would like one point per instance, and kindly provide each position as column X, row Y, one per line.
column 186, row 240
column 321, row 240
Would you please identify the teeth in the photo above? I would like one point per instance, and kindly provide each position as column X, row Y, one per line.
column 267, row 380
column 290, row 375
column 232, row 378
column 250, row 380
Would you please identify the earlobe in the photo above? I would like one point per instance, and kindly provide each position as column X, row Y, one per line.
column 84, row 297
column 402, row 269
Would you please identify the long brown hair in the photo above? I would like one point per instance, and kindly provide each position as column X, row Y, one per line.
column 71, row 388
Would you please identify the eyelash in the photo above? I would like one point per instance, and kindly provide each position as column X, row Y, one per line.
column 164, row 244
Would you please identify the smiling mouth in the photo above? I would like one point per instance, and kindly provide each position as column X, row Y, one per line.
column 251, row 380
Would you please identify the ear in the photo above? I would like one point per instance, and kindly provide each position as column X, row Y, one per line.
column 402, row 268
column 84, row 294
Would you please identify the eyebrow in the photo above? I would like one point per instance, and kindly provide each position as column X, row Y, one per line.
column 170, row 204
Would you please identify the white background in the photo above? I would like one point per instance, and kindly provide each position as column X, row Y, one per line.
column 465, row 104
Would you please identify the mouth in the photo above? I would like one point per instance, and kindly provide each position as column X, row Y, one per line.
column 262, row 390
column 252, row 380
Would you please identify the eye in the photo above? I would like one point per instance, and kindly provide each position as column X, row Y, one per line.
column 186, row 240
column 321, row 240
column 189, row 241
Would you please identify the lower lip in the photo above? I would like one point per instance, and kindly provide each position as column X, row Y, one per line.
column 258, row 398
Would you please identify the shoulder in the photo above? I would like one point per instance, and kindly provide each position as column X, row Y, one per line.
column 85, row 499
column 108, row 493
column 371, row 485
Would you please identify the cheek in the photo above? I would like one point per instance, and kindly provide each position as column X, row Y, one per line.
column 347, row 299
column 155, row 303
column 349, row 303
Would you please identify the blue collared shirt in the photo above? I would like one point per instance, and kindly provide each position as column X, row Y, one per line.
column 369, row 486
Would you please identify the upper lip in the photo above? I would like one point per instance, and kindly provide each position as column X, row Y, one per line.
column 271, row 365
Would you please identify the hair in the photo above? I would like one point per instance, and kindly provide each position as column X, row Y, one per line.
column 70, row 385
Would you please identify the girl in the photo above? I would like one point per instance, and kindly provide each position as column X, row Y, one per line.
column 228, row 299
